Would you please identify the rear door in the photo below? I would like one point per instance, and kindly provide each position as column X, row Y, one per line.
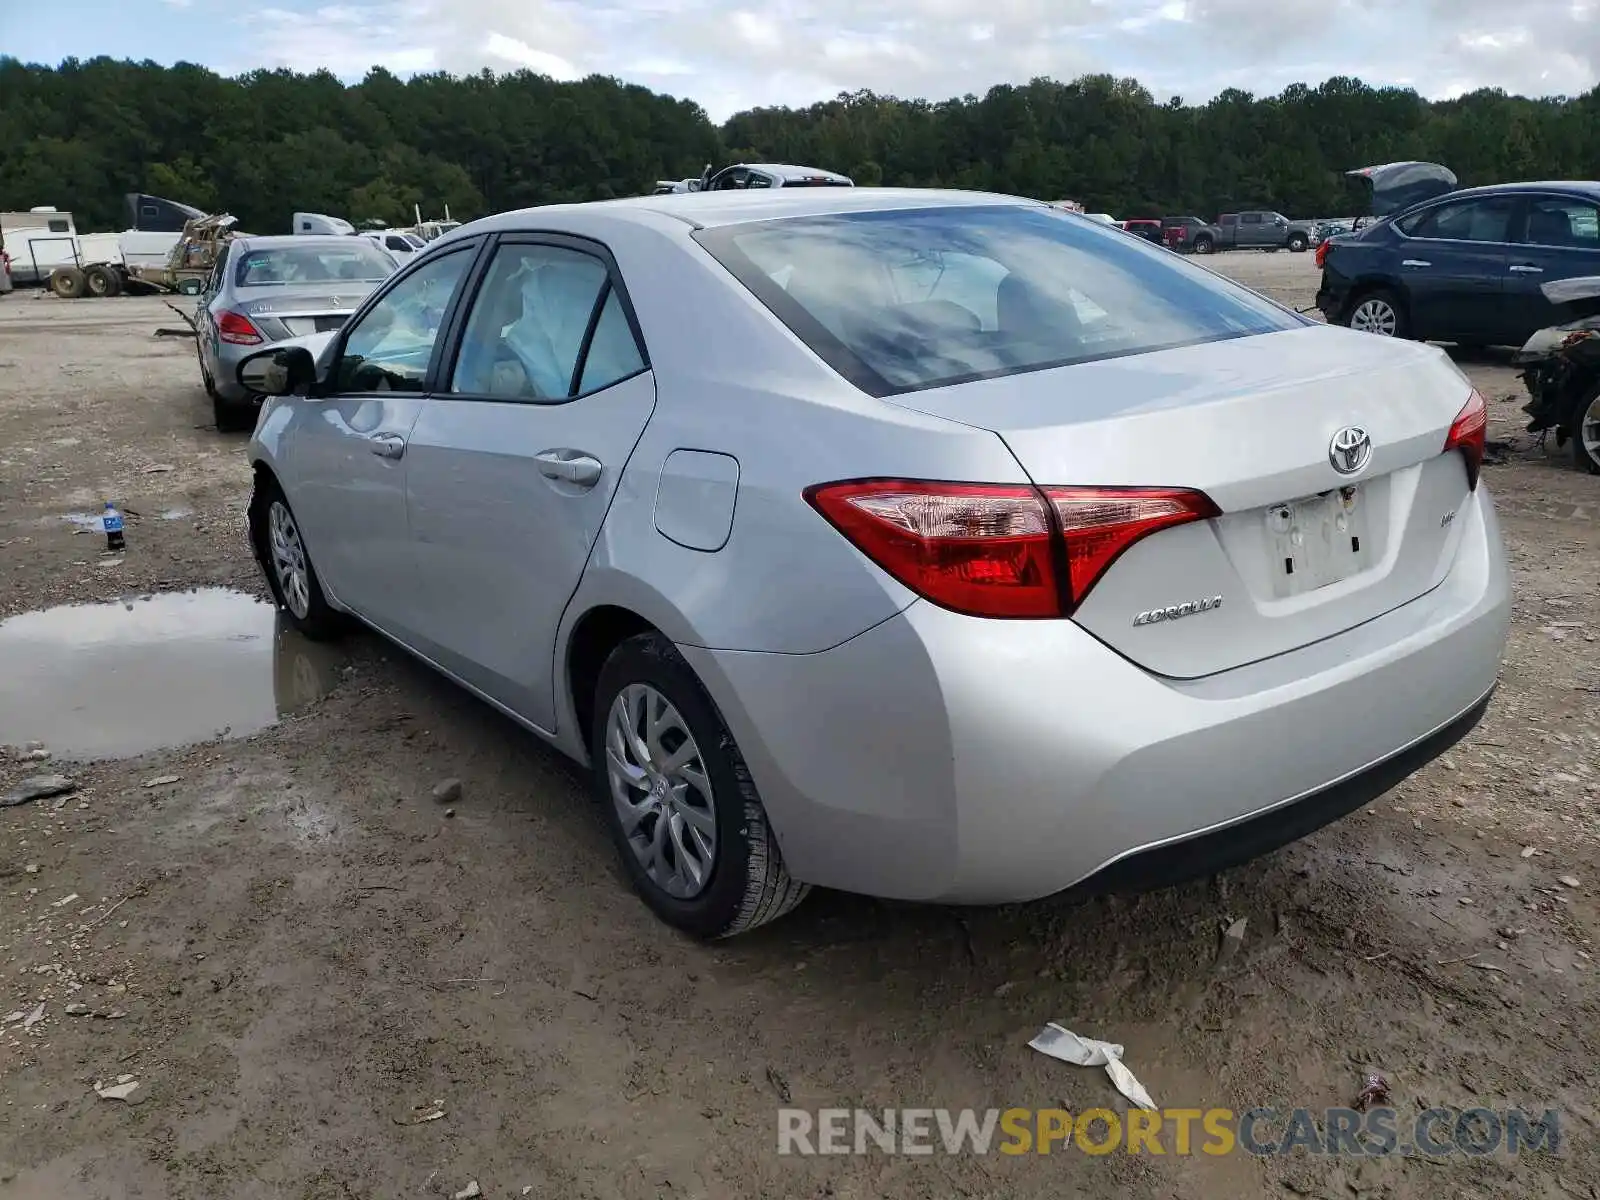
column 1452, row 266
column 1252, row 230
column 513, row 462
column 1558, row 237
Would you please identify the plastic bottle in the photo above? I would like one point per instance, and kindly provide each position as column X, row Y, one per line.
column 112, row 521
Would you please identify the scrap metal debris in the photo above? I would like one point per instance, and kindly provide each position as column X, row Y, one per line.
column 1062, row 1043
column 122, row 1089
column 1376, row 1091
column 422, row 1114
column 469, row 1192
column 37, row 787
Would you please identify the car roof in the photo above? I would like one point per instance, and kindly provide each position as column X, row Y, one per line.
column 269, row 241
column 1587, row 188
column 713, row 209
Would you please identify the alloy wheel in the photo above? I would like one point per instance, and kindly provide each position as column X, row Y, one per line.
column 661, row 791
column 1589, row 432
column 1375, row 315
column 289, row 559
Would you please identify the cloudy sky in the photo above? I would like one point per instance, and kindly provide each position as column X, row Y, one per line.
column 732, row 54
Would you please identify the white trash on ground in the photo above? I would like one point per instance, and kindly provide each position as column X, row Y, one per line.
column 1086, row 1052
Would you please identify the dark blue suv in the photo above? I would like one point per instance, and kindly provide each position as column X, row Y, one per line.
column 1462, row 266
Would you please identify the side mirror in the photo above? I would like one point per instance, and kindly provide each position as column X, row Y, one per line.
column 279, row 372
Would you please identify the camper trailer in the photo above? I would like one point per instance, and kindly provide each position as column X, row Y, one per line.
column 308, row 222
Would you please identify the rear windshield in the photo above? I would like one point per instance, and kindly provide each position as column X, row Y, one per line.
column 355, row 260
column 900, row 301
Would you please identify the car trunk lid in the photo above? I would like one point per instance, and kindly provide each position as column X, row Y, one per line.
column 1399, row 185
column 1300, row 551
column 306, row 310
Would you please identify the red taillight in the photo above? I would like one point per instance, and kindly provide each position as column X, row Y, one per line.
column 1098, row 524
column 991, row 550
column 236, row 328
column 1469, row 433
column 1322, row 254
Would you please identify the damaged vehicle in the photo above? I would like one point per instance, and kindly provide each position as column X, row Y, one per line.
column 264, row 290
column 849, row 545
column 1561, row 369
column 1465, row 266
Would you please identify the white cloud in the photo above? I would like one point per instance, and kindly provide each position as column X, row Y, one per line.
column 731, row 54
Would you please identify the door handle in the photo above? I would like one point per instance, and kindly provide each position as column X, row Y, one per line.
column 1416, row 262
column 1525, row 269
column 570, row 466
column 387, row 445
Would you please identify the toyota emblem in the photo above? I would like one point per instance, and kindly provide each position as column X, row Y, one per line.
column 1350, row 450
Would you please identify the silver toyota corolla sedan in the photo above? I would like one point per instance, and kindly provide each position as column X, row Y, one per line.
column 934, row 545
column 267, row 289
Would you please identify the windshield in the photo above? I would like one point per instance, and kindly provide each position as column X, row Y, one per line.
column 899, row 301
column 355, row 260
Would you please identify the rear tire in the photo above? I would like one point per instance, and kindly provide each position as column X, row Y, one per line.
column 668, row 773
column 68, row 282
column 1586, row 425
column 230, row 415
column 102, row 281
column 281, row 551
column 1378, row 311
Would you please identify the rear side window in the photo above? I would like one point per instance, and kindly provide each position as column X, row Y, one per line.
column 1487, row 219
column 900, row 301
column 546, row 326
column 1554, row 221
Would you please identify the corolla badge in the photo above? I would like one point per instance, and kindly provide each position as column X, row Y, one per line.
column 1350, row 450
column 1174, row 612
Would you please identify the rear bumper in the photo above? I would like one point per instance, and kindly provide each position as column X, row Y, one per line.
column 946, row 758
column 1332, row 295
column 229, row 356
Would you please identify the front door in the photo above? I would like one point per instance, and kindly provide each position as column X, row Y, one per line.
column 1559, row 239
column 349, row 443
column 513, row 462
column 1453, row 266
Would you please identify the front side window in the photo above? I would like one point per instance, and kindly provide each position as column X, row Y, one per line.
column 901, row 300
column 350, row 260
column 545, row 326
column 1556, row 221
column 389, row 346
column 1483, row 220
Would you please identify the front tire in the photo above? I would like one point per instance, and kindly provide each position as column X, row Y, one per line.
column 281, row 550
column 1204, row 244
column 1586, row 433
column 683, row 811
column 1298, row 243
column 1378, row 311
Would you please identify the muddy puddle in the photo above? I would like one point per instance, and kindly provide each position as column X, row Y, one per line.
column 148, row 672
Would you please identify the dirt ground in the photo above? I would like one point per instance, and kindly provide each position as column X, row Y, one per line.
column 291, row 946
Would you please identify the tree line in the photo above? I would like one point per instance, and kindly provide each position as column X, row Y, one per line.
column 263, row 145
